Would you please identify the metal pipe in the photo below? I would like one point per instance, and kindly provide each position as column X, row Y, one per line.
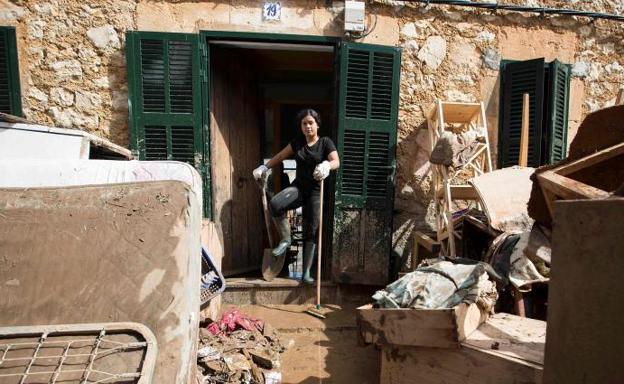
column 522, row 8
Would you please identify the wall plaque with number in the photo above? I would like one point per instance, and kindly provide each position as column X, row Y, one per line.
column 272, row 11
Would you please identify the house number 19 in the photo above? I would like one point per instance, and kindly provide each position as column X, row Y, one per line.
column 272, row 11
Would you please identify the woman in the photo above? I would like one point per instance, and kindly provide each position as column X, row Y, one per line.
column 315, row 157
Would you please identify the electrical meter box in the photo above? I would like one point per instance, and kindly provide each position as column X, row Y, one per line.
column 354, row 16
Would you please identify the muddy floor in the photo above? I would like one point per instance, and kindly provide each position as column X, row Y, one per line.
column 323, row 351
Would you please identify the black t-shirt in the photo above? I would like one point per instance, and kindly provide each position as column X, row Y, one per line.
column 308, row 157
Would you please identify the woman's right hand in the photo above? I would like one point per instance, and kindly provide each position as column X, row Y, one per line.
column 259, row 172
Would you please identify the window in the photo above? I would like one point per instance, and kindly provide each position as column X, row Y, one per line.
column 548, row 86
column 10, row 101
column 165, row 92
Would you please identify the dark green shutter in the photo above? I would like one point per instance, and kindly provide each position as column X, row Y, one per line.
column 519, row 78
column 557, row 129
column 10, row 98
column 165, row 90
column 368, row 122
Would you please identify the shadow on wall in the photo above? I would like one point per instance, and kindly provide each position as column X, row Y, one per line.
column 412, row 196
column 118, row 121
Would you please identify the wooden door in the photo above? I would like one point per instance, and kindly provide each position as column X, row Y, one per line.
column 235, row 150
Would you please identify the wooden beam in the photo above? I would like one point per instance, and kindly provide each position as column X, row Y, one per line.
column 590, row 160
column 460, row 192
column 569, row 189
column 524, row 134
column 620, row 97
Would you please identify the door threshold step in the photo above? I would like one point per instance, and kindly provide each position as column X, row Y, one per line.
column 280, row 282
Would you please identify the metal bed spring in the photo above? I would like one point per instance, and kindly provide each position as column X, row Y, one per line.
column 101, row 346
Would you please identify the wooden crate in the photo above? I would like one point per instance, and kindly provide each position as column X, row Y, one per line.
column 506, row 349
column 443, row 328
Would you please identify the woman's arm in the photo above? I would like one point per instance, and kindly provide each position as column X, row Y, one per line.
column 282, row 155
column 334, row 160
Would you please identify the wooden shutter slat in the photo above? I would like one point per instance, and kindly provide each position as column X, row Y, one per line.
column 557, row 128
column 369, row 99
column 165, row 91
column 10, row 97
column 519, row 78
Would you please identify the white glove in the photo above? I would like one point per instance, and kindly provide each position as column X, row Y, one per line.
column 259, row 172
column 321, row 171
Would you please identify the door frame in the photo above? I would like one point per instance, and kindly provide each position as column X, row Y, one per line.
column 277, row 38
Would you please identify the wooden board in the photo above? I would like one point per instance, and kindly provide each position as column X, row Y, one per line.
column 468, row 365
column 504, row 194
column 235, row 132
column 518, row 337
column 505, row 349
column 443, row 328
column 585, row 342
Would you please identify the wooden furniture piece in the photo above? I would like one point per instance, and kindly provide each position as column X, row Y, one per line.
column 505, row 349
column 557, row 184
column 585, row 342
column 461, row 345
column 422, row 241
column 434, row 328
column 459, row 117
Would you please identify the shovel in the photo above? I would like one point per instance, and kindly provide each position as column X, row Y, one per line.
column 271, row 265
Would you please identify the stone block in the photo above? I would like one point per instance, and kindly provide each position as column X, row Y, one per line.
column 580, row 69
column 38, row 95
column 491, row 59
column 433, row 52
column 104, row 37
column 66, row 68
column 62, row 97
column 10, row 11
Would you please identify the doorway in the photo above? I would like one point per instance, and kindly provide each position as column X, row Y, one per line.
column 256, row 89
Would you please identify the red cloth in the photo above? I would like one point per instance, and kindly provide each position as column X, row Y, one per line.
column 233, row 320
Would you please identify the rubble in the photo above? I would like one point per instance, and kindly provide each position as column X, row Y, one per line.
column 239, row 349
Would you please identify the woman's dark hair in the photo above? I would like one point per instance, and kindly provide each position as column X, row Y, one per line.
column 309, row 112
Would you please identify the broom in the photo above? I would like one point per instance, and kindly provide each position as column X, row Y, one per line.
column 316, row 311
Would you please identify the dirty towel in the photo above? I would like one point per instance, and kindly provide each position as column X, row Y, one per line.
column 233, row 320
column 441, row 284
column 521, row 258
column 455, row 149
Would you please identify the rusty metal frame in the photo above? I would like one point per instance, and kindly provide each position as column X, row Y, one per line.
column 100, row 330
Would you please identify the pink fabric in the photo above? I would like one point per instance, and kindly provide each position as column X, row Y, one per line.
column 233, row 320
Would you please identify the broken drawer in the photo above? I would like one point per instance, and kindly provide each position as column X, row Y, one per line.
column 442, row 328
column 506, row 349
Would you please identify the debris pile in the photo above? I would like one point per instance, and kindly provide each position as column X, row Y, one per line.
column 239, row 349
column 441, row 284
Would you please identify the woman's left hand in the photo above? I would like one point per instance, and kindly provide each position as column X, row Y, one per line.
column 321, row 171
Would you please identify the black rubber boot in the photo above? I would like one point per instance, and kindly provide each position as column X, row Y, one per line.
column 309, row 251
column 283, row 228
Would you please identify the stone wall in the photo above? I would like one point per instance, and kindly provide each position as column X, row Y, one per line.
column 454, row 53
column 73, row 67
column 72, row 63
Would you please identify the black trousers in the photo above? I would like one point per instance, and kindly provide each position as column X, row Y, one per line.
column 294, row 197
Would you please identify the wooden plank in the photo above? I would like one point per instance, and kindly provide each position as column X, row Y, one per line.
column 518, row 337
column 585, row 342
column 460, row 112
column 620, row 97
column 460, row 192
column 221, row 159
column 524, row 132
column 567, row 188
column 590, row 160
column 468, row 365
column 442, row 328
column 426, row 241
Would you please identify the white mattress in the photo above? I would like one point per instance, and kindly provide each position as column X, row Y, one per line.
column 38, row 173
